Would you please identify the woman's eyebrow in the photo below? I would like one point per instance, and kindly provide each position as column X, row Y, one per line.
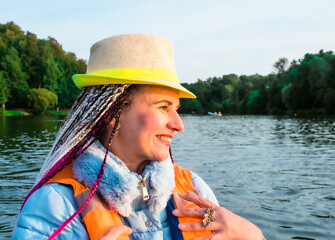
column 165, row 101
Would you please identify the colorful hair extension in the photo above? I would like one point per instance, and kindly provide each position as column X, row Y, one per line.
column 112, row 113
column 95, row 185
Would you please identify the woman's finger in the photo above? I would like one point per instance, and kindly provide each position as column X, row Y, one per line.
column 197, row 199
column 197, row 226
column 115, row 232
column 190, row 212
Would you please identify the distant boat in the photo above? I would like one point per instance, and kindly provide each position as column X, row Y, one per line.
column 215, row 114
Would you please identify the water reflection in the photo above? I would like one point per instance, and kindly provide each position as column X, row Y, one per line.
column 24, row 144
column 277, row 172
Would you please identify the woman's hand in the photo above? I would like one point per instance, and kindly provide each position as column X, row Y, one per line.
column 115, row 232
column 225, row 224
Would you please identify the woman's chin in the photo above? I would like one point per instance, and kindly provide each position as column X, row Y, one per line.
column 163, row 157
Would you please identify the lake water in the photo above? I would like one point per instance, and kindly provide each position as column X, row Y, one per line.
column 277, row 172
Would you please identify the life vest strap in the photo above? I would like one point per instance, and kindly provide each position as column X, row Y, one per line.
column 98, row 218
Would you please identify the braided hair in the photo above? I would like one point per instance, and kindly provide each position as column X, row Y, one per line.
column 95, row 107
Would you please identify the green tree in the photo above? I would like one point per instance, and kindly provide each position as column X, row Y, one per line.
column 193, row 106
column 244, row 86
column 275, row 103
column 308, row 82
column 52, row 74
column 11, row 63
column 330, row 101
column 2, row 46
column 4, row 88
column 280, row 65
column 40, row 99
column 230, row 79
column 235, row 106
column 33, row 63
column 253, row 102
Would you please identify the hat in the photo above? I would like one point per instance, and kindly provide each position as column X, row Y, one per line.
column 132, row 59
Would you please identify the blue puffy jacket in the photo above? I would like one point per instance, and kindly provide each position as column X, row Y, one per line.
column 48, row 207
column 51, row 205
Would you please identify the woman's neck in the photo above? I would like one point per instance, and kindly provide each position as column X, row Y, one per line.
column 133, row 166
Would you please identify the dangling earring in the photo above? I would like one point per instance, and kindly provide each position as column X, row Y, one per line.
column 116, row 132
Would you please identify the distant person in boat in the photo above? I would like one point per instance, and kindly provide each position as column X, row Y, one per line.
column 110, row 173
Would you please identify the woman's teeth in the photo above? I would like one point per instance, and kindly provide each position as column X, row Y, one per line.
column 164, row 138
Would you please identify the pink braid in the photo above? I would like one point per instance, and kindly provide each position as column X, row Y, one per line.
column 95, row 187
column 59, row 166
column 100, row 175
column 171, row 155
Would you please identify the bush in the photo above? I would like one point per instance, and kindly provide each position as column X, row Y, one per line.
column 193, row 105
column 41, row 99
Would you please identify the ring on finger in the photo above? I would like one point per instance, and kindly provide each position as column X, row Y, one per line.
column 208, row 216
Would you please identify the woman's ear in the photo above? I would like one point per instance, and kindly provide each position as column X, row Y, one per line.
column 106, row 134
column 111, row 123
column 126, row 103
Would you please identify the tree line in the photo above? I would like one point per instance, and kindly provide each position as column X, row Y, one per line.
column 37, row 73
column 306, row 86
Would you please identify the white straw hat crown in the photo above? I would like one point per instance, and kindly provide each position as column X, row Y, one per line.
column 132, row 59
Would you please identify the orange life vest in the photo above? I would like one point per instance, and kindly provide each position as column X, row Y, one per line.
column 98, row 218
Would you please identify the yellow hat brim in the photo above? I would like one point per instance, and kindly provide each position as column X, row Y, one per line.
column 132, row 76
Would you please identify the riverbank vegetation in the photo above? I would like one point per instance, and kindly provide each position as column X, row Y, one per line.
column 306, row 86
column 36, row 74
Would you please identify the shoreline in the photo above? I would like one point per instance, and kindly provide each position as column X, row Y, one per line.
column 21, row 112
column 28, row 112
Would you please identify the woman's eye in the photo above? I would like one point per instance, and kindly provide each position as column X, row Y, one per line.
column 164, row 108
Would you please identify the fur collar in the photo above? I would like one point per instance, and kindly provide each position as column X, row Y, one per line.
column 120, row 187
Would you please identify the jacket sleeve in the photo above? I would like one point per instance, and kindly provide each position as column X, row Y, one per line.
column 45, row 211
column 204, row 190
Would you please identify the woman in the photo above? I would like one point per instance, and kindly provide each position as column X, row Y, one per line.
column 109, row 174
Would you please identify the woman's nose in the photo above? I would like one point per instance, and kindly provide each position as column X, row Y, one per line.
column 175, row 122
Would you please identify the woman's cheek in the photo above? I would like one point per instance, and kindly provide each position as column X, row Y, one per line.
column 149, row 121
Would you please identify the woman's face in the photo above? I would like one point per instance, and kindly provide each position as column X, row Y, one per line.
column 148, row 125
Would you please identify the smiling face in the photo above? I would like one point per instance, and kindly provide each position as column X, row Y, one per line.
column 147, row 126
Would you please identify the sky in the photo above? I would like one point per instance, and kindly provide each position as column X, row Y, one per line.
column 210, row 38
